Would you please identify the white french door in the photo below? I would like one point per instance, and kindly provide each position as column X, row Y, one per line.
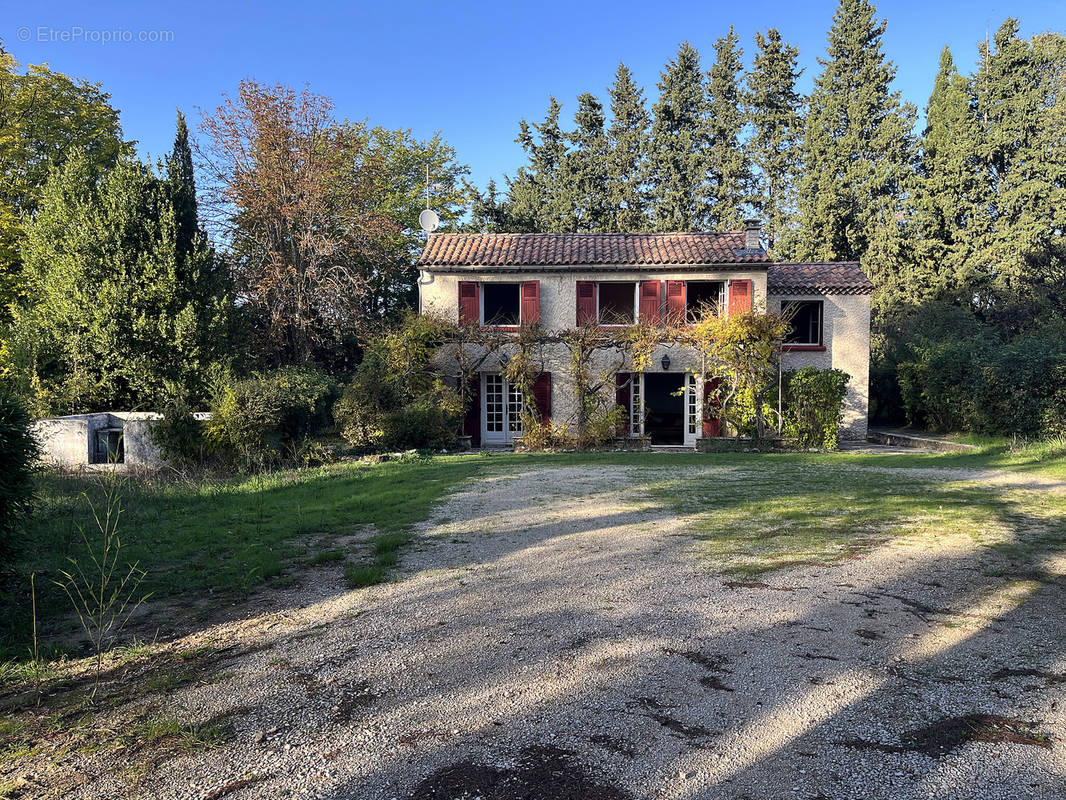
column 636, row 404
column 691, row 399
column 501, row 410
column 693, row 415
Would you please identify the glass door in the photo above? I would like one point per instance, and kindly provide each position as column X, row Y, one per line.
column 501, row 410
column 693, row 418
column 636, row 404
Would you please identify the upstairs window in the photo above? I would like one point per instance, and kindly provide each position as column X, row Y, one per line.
column 805, row 322
column 617, row 303
column 500, row 304
column 703, row 296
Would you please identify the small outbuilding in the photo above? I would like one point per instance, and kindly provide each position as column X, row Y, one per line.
column 107, row 437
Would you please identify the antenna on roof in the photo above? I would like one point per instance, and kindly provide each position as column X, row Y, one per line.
column 428, row 219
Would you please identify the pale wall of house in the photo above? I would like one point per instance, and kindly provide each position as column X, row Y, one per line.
column 846, row 333
column 558, row 291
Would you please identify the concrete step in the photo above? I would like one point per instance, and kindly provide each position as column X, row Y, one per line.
column 917, row 441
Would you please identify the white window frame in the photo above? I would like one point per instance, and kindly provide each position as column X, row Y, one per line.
column 722, row 300
column 636, row 304
column 481, row 303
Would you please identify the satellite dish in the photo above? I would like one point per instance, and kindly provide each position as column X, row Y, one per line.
column 429, row 221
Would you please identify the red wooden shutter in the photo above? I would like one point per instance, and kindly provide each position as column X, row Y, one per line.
column 472, row 420
column 675, row 302
column 739, row 296
column 530, row 303
column 649, row 302
column 621, row 397
column 542, row 395
column 586, row 302
column 469, row 303
column 712, row 426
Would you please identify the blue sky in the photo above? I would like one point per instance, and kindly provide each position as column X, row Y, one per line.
column 470, row 70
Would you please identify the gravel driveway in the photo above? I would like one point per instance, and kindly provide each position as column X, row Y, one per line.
column 554, row 628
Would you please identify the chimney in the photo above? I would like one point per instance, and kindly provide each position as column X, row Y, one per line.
column 752, row 232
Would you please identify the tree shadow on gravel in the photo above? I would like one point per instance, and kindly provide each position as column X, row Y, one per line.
column 592, row 668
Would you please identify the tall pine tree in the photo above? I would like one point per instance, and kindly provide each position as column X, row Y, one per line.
column 1019, row 96
column 627, row 158
column 586, row 168
column 678, row 163
column 943, row 203
column 728, row 170
column 539, row 196
column 857, row 146
column 775, row 112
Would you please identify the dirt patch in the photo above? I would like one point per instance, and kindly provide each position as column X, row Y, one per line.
column 1050, row 677
column 233, row 786
column 539, row 773
column 354, row 700
column 947, row 735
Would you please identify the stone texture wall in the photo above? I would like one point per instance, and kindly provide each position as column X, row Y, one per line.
column 67, row 442
column 846, row 334
column 558, row 290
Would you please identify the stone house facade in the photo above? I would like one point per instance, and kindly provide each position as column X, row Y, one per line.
column 564, row 280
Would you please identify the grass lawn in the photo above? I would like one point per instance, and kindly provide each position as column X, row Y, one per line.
column 226, row 537
column 751, row 512
column 755, row 513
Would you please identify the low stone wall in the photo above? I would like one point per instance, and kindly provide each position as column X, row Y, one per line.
column 918, row 442
column 731, row 444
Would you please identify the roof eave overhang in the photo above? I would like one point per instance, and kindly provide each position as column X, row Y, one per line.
column 790, row 291
column 463, row 269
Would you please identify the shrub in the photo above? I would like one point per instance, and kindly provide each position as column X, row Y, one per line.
column 814, row 406
column 1015, row 388
column 427, row 423
column 253, row 418
column 603, row 421
column 397, row 400
column 178, row 435
column 18, row 455
column 541, row 435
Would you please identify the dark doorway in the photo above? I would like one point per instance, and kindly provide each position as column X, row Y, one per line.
column 664, row 407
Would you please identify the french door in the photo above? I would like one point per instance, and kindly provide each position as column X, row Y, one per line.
column 501, row 410
column 690, row 401
column 693, row 410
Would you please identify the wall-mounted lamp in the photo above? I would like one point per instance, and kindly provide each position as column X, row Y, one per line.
column 666, row 363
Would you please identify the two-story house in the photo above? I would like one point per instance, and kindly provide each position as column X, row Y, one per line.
column 565, row 280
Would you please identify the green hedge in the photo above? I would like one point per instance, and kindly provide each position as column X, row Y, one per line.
column 18, row 455
column 814, row 406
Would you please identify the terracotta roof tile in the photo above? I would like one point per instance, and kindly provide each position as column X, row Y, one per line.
column 564, row 249
column 841, row 277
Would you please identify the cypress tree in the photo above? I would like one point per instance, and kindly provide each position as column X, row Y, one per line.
column 627, row 161
column 775, row 111
column 1019, row 96
column 728, row 170
column 678, row 163
column 586, row 168
column 945, row 189
column 181, row 186
column 857, row 145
